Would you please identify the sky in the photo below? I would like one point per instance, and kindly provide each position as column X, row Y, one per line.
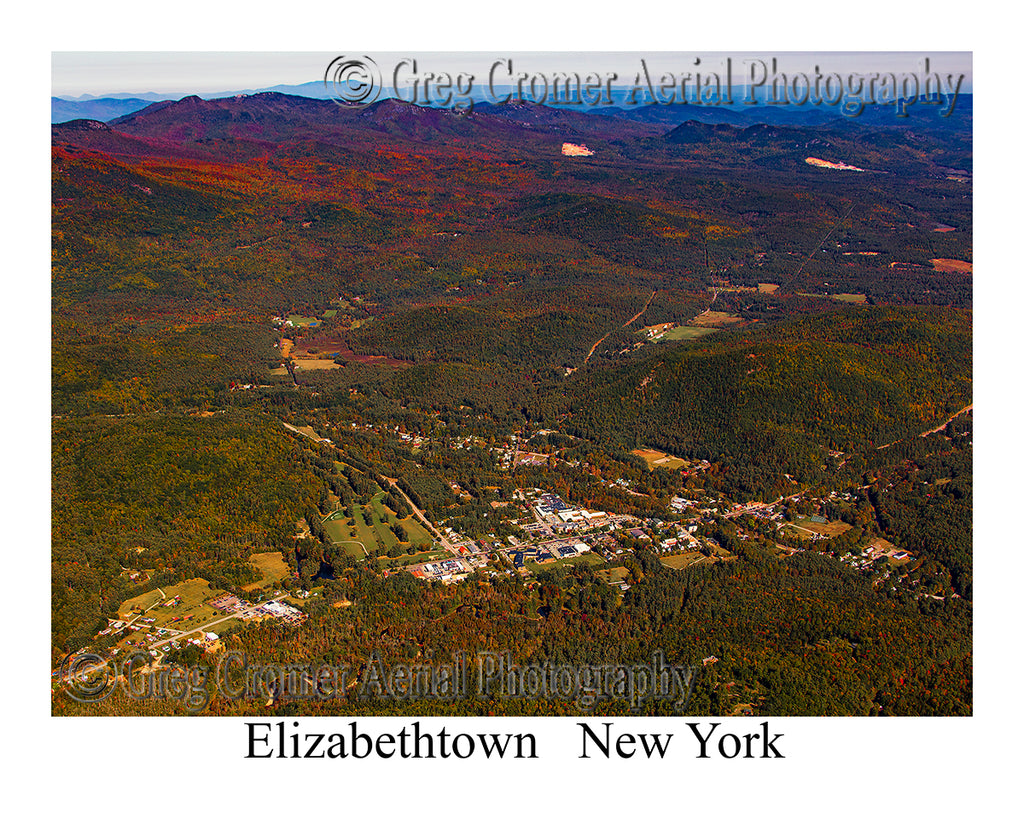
column 97, row 73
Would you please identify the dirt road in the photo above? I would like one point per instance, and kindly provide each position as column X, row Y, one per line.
column 968, row 408
column 598, row 342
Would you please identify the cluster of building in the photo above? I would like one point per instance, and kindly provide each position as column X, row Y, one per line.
column 282, row 611
column 656, row 331
column 561, row 516
column 280, row 321
column 447, row 571
column 113, row 626
column 534, row 553
column 206, row 640
column 573, row 548
column 414, row 441
column 244, row 610
column 871, row 553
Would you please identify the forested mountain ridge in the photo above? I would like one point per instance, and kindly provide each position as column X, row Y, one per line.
column 785, row 396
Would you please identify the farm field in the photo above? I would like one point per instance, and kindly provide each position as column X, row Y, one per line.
column 846, row 298
column 952, row 266
column 271, row 565
column 655, row 458
column 130, row 607
column 686, row 333
column 314, row 363
column 714, row 318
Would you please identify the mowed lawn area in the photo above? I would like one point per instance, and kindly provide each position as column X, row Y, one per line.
column 355, row 535
column 191, row 612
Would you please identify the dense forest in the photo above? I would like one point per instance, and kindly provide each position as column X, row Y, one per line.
column 802, row 637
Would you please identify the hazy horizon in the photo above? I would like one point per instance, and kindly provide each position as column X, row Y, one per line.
column 77, row 75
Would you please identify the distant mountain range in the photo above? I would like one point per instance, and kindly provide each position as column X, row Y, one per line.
column 101, row 108
column 243, row 127
column 112, row 106
column 273, row 118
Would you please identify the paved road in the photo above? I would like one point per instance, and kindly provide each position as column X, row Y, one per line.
column 207, row 626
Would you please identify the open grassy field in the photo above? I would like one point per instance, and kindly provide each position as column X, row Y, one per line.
column 416, row 557
column 714, row 318
column 271, row 565
column 952, row 266
column 341, row 531
column 376, row 536
column 140, row 603
column 805, row 528
column 686, row 333
column 315, row 364
column 683, row 560
column 617, row 575
column 654, row 458
column 302, row 321
column 190, row 613
column 587, row 557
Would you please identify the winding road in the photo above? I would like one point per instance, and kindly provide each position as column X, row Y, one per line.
column 968, row 408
